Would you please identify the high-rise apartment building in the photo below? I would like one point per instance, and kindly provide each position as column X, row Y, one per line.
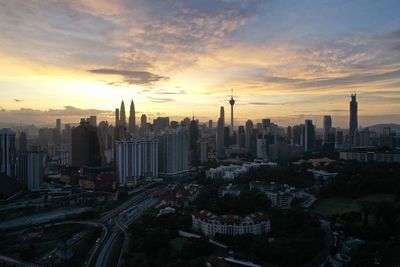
column 7, row 152
column 136, row 158
column 309, row 136
column 173, row 152
column 327, row 127
column 220, row 136
column 31, row 169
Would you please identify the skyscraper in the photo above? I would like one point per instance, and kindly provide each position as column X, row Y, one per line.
column 248, row 134
column 173, row 152
column 241, row 137
column 93, row 121
column 116, row 117
column 231, row 102
column 220, row 134
column 85, row 148
column 160, row 123
column 132, row 119
column 31, row 169
column 210, row 124
column 58, row 125
column 193, row 138
column 309, row 136
column 143, row 125
column 122, row 116
column 327, row 127
column 23, row 142
column 353, row 116
column 7, row 152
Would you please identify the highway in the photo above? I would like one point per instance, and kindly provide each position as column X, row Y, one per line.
column 120, row 226
column 117, row 221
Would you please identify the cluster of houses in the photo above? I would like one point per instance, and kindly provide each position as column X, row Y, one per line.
column 181, row 195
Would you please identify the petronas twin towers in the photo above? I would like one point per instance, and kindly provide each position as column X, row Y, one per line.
column 120, row 117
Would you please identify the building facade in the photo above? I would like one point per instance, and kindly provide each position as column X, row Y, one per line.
column 173, row 152
column 85, row 147
column 7, row 152
column 31, row 169
column 210, row 224
column 136, row 158
column 353, row 116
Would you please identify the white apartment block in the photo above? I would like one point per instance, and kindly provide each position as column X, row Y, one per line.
column 136, row 158
column 210, row 224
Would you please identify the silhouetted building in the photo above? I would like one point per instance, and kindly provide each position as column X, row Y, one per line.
column 203, row 150
column 193, row 138
column 160, row 124
column 173, row 152
column 7, row 152
column 85, row 149
column 143, row 125
column 23, row 142
column 309, row 136
column 132, row 119
column 249, row 132
column 353, row 116
column 266, row 123
column 339, row 138
column 231, row 102
column 116, row 117
column 93, row 121
column 58, row 125
column 227, row 139
column 220, row 136
column 122, row 116
column 31, row 169
column 327, row 127
column 289, row 132
column 174, row 124
column 241, row 137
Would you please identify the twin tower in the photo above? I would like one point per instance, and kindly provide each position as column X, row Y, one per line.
column 120, row 117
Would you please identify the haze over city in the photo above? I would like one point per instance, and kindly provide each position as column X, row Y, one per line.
column 286, row 60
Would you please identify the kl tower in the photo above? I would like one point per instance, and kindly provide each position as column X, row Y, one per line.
column 231, row 102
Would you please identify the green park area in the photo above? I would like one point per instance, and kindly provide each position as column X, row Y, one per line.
column 340, row 205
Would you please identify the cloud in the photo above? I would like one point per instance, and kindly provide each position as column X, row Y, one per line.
column 132, row 77
column 68, row 114
column 160, row 100
column 351, row 80
column 169, row 92
column 264, row 103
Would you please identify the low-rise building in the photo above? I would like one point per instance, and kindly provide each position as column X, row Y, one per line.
column 210, row 224
column 232, row 171
column 182, row 195
column 280, row 195
column 366, row 156
column 229, row 189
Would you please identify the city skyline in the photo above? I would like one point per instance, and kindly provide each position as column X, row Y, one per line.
column 69, row 59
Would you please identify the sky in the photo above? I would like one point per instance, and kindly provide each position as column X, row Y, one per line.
column 284, row 60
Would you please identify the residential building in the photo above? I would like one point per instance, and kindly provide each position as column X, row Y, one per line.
column 210, row 224
column 136, row 158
